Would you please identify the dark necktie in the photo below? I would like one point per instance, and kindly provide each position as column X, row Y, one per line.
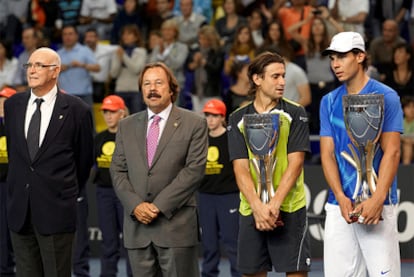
column 152, row 138
column 33, row 133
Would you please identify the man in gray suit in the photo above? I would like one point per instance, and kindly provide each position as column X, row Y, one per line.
column 158, row 192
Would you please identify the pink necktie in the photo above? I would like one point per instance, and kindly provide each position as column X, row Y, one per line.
column 152, row 138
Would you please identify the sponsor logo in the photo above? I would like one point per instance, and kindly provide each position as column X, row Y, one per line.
column 232, row 211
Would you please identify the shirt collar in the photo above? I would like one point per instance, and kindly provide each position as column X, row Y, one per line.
column 47, row 98
column 191, row 18
column 163, row 114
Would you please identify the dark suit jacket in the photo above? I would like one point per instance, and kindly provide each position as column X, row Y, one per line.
column 48, row 186
column 170, row 183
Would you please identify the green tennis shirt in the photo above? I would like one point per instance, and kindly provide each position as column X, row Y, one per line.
column 293, row 137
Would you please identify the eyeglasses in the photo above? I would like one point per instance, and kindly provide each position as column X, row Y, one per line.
column 37, row 66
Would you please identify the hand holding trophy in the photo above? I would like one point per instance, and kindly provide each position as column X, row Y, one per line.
column 261, row 132
column 363, row 115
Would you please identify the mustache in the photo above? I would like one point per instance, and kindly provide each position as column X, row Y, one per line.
column 153, row 94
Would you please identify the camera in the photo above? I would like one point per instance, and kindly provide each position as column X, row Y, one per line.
column 316, row 12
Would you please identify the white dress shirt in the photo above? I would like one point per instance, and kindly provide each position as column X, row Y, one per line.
column 164, row 116
column 46, row 110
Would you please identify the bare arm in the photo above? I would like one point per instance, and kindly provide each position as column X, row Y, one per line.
column 327, row 16
column 262, row 214
column 372, row 208
column 293, row 30
column 288, row 180
column 305, row 96
column 359, row 18
column 330, row 170
column 400, row 16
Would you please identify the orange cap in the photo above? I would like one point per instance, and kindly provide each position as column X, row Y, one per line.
column 215, row 106
column 7, row 92
column 113, row 103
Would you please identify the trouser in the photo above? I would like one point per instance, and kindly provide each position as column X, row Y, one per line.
column 7, row 263
column 110, row 218
column 219, row 221
column 81, row 253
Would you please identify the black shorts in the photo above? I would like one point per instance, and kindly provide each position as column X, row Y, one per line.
column 286, row 248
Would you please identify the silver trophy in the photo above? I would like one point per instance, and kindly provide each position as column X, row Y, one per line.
column 262, row 133
column 363, row 115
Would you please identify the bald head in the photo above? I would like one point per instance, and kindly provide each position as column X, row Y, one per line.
column 43, row 70
column 390, row 30
column 49, row 54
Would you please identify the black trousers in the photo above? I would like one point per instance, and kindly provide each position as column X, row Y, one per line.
column 42, row 255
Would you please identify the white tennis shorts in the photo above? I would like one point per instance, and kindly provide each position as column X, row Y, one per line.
column 350, row 250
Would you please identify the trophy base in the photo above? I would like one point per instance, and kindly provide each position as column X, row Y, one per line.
column 354, row 217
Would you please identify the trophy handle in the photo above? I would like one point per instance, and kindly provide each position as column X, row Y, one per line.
column 359, row 171
column 256, row 166
column 264, row 172
column 268, row 159
column 370, row 174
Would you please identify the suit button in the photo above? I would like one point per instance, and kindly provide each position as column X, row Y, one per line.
column 149, row 174
column 32, row 169
column 149, row 194
column 27, row 186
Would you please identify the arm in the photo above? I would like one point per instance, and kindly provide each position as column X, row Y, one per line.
column 330, row 19
column 92, row 67
column 214, row 62
column 305, row 96
column 372, row 208
column 195, row 61
column 108, row 19
column 136, row 62
column 10, row 72
column 86, row 61
column 116, row 63
column 330, row 170
column 358, row 18
column 176, row 58
column 277, row 4
column 228, row 63
column 293, row 30
column 288, row 180
column 120, row 178
column 262, row 213
column 188, row 176
column 84, row 150
column 406, row 6
column 88, row 67
column 407, row 150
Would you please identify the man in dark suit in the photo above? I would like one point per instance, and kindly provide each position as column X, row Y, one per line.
column 158, row 191
column 45, row 174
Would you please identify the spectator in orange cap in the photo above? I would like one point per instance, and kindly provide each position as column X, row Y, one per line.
column 218, row 195
column 6, row 251
column 110, row 211
column 4, row 94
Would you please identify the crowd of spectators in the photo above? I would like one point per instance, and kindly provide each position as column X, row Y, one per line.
column 122, row 35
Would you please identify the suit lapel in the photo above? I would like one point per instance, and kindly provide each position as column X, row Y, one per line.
column 141, row 133
column 172, row 124
column 20, row 120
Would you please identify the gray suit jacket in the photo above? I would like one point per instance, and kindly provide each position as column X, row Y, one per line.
column 170, row 183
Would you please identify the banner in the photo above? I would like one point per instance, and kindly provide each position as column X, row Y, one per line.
column 316, row 191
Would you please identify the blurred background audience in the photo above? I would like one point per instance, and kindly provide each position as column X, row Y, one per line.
column 208, row 63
